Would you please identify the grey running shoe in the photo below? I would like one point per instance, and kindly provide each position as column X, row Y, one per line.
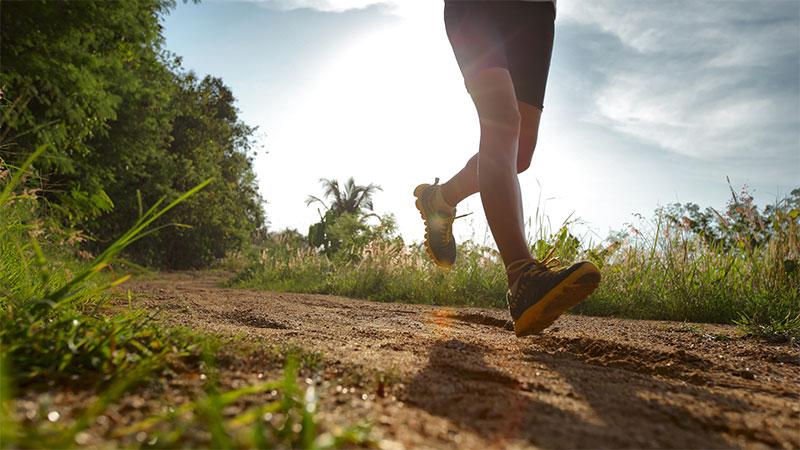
column 541, row 293
column 439, row 242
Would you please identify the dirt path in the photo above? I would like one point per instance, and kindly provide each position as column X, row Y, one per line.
column 460, row 379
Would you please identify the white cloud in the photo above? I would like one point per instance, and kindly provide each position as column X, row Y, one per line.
column 418, row 9
column 322, row 5
column 704, row 79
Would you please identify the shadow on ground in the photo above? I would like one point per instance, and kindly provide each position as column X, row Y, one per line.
column 591, row 406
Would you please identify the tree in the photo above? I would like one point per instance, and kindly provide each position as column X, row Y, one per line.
column 349, row 202
column 66, row 69
column 740, row 225
column 206, row 140
column 123, row 121
column 352, row 198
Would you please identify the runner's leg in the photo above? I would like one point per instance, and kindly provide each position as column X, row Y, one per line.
column 498, row 113
column 465, row 182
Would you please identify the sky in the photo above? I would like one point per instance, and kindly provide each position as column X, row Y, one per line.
column 648, row 103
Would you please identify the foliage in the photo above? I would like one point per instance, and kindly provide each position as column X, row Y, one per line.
column 344, row 224
column 49, row 327
column 346, row 236
column 207, row 140
column 66, row 67
column 92, row 80
column 286, row 421
column 56, row 331
column 661, row 269
column 741, row 225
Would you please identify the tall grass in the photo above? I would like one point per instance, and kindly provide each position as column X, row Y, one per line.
column 50, row 326
column 664, row 272
column 658, row 269
column 54, row 332
column 387, row 272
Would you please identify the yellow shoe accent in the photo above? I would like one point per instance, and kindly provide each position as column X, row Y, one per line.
column 541, row 294
column 439, row 242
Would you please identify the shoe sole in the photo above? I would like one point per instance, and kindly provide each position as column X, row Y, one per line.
column 418, row 194
column 573, row 290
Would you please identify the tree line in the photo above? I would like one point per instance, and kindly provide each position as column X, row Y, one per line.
column 124, row 125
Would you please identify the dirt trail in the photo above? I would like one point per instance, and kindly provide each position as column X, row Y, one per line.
column 460, row 379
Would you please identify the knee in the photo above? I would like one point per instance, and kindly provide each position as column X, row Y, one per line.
column 502, row 122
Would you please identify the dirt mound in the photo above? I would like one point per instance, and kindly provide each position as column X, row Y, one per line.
column 458, row 378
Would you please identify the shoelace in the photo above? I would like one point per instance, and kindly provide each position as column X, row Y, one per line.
column 448, row 226
column 448, row 221
column 548, row 262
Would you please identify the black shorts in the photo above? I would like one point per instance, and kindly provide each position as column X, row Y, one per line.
column 515, row 35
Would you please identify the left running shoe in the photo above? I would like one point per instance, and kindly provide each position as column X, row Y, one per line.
column 542, row 293
column 438, row 217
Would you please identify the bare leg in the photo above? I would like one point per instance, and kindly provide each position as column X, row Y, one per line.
column 465, row 182
column 495, row 100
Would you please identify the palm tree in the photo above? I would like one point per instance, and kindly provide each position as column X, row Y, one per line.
column 350, row 198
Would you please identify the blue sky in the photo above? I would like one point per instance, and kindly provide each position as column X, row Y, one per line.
column 648, row 102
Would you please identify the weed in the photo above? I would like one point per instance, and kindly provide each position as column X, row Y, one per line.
column 287, row 420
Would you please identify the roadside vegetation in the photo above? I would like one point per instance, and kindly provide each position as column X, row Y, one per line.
column 98, row 121
column 737, row 265
column 58, row 328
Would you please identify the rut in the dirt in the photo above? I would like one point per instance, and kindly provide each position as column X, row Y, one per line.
column 462, row 380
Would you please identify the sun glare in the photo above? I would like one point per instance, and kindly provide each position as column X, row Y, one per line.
column 391, row 108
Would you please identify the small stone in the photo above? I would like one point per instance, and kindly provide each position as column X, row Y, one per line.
column 746, row 374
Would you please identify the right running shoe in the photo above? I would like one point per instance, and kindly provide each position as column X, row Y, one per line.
column 542, row 293
column 438, row 217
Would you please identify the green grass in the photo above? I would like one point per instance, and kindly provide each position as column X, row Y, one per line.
column 666, row 273
column 58, row 336
column 659, row 270
column 389, row 274
column 285, row 420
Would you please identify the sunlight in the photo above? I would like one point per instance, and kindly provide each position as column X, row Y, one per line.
column 393, row 96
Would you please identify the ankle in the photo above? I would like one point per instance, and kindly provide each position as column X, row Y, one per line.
column 447, row 195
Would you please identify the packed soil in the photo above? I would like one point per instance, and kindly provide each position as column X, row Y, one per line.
column 439, row 377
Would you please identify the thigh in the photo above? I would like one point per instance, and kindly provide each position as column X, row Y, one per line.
column 473, row 34
column 528, row 31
